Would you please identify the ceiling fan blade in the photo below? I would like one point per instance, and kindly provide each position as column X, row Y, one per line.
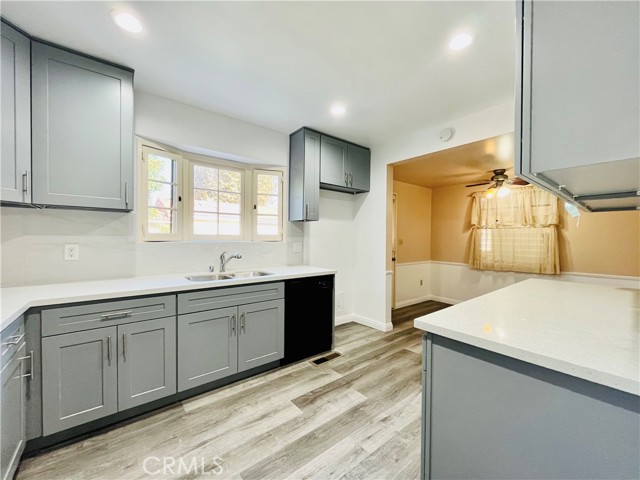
column 478, row 184
column 518, row 181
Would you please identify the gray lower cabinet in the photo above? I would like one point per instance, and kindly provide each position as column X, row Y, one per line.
column 91, row 374
column 489, row 416
column 146, row 361
column 79, row 378
column 260, row 334
column 207, row 346
column 16, row 116
column 82, row 130
column 228, row 330
column 12, row 414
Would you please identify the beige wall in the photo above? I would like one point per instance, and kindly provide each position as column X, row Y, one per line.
column 413, row 222
column 603, row 243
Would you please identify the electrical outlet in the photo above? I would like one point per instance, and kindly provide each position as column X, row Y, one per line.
column 71, row 252
column 420, row 282
column 340, row 302
column 297, row 247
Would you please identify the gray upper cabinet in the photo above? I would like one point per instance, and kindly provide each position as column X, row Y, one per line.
column 207, row 346
column 82, row 130
column 304, row 175
column 333, row 160
column 344, row 166
column 146, row 361
column 79, row 378
column 578, row 111
column 260, row 334
column 15, row 177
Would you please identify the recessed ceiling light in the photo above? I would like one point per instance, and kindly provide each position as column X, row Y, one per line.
column 460, row 41
column 127, row 21
column 338, row 110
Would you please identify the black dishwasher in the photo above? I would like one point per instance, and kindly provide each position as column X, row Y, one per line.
column 308, row 324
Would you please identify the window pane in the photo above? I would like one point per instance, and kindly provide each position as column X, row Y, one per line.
column 229, row 224
column 267, row 204
column 230, row 202
column 205, row 200
column 161, row 195
column 161, row 220
column 205, row 223
column 268, row 184
column 230, row 181
column 267, row 225
column 205, row 177
column 160, row 168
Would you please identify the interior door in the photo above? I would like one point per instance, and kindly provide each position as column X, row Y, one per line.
column 394, row 247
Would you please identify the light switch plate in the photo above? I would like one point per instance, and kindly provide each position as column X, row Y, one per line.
column 71, row 252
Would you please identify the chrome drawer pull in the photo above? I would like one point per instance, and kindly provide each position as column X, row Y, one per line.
column 114, row 315
column 17, row 340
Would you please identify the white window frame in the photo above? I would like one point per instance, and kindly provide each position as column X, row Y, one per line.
column 143, row 198
column 185, row 204
column 254, row 221
column 189, row 235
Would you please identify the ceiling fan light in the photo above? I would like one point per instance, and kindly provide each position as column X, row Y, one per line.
column 503, row 192
column 491, row 192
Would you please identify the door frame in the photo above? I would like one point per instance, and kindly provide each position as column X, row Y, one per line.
column 394, row 247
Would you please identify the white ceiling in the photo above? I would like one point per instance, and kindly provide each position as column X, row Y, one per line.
column 470, row 163
column 281, row 64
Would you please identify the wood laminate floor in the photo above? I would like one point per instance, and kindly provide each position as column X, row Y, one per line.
column 354, row 417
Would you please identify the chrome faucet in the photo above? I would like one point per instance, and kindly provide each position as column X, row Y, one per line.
column 224, row 260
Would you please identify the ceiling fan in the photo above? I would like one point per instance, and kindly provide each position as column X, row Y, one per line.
column 498, row 179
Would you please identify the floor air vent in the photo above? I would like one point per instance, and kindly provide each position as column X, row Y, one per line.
column 325, row 358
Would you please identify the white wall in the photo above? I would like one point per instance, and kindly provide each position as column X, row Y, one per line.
column 412, row 283
column 370, row 293
column 33, row 240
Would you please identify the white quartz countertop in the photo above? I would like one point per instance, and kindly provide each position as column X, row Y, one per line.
column 17, row 300
column 587, row 331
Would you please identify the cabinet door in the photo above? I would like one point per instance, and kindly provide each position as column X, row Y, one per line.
column 333, row 154
column 584, row 90
column 16, row 116
column 260, row 334
column 12, row 415
column 359, row 167
column 311, row 176
column 207, row 346
column 146, row 361
column 82, row 131
column 79, row 378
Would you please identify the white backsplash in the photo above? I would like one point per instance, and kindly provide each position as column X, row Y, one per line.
column 33, row 243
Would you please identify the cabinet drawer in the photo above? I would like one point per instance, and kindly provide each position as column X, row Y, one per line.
column 228, row 297
column 95, row 315
column 11, row 338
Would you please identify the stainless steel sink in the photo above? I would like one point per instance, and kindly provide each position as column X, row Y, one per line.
column 209, row 277
column 250, row 274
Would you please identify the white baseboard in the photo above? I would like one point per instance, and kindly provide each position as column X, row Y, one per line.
column 413, row 301
column 367, row 322
column 341, row 320
column 450, row 301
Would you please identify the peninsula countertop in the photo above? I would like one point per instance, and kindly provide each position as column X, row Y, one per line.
column 17, row 300
column 587, row 331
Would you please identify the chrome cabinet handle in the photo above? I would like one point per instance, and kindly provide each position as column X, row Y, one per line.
column 25, row 183
column 242, row 323
column 114, row 315
column 30, row 357
column 346, row 179
column 17, row 340
column 124, row 346
column 233, row 325
column 351, row 179
column 109, row 348
column 306, row 211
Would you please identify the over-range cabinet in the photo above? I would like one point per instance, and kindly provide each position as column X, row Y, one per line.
column 320, row 161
